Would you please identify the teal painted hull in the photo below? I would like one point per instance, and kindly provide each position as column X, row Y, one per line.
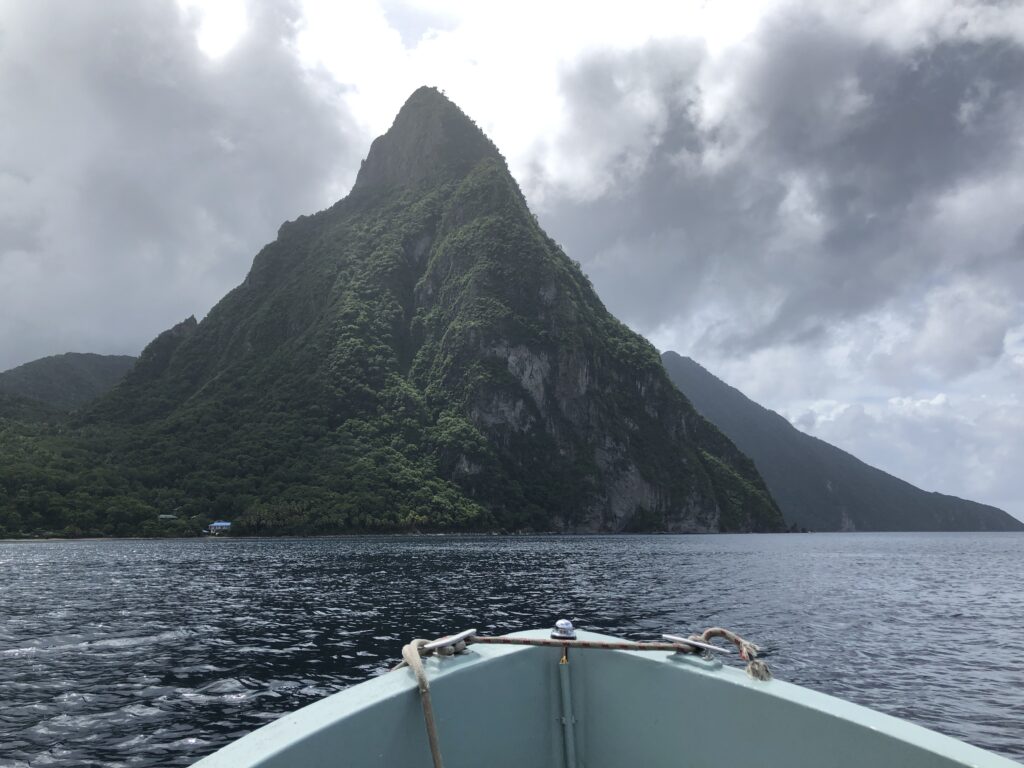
column 500, row 705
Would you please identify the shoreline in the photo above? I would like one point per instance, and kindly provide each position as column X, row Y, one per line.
column 595, row 534
column 453, row 534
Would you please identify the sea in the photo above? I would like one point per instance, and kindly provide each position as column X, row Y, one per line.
column 158, row 652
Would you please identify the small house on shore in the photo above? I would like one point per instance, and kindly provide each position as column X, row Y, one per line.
column 219, row 527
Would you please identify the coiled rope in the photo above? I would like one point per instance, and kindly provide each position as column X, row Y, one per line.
column 414, row 652
column 756, row 668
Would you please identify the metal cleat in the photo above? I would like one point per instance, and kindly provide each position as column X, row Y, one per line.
column 449, row 646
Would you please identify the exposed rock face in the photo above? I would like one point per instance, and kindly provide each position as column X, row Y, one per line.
column 530, row 370
column 513, row 333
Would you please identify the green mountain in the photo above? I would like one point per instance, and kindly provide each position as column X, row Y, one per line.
column 67, row 381
column 419, row 356
column 817, row 485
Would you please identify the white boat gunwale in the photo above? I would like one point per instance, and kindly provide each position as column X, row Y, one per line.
column 458, row 698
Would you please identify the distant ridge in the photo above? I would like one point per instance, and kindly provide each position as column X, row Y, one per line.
column 817, row 485
column 67, row 381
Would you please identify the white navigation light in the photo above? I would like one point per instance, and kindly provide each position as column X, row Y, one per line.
column 564, row 630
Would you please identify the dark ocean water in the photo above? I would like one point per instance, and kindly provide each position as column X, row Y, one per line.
column 149, row 653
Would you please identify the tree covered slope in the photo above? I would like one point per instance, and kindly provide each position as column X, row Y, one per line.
column 66, row 381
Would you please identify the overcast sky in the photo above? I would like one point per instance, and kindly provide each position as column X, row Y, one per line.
column 821, row 203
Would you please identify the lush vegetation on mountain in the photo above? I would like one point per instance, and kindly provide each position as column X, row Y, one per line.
column 26, row 410
column 817, row 485
column 419, row 356
column 68, row 381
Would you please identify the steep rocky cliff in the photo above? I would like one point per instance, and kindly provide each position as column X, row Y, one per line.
column 422, row 356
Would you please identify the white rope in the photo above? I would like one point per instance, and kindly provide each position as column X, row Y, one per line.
column 756, row 668
column 411, row 655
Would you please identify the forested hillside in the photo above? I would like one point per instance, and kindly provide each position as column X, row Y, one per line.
column 66, row 381
column 419, row 356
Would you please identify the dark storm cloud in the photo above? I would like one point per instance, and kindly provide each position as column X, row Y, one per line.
column 138, row 177
column 830, row 220
column 803, row 183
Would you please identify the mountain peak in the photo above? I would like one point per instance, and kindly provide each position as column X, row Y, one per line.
column 431, row 138
column 423, row 357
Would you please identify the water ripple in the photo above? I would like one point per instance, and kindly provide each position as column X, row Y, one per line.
column 149, row 653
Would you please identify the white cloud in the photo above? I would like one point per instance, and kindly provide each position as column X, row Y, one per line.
column 219, row 24
column 954, row 330
column 961, row 444
column 142, row 175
